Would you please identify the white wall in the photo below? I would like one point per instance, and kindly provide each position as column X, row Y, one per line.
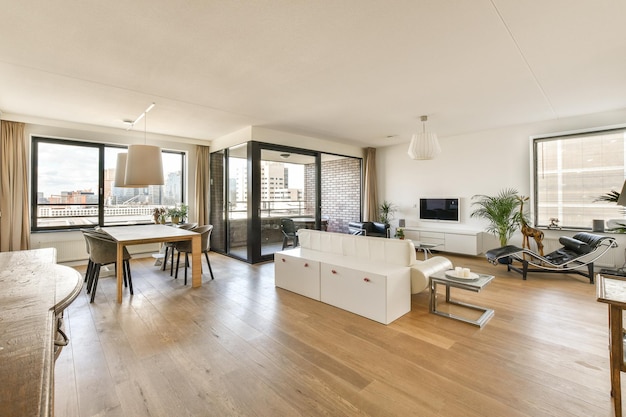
column 477, row 163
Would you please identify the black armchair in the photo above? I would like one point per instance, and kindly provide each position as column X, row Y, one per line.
column 374, row 229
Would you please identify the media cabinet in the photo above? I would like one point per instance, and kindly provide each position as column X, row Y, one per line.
column 466, row 242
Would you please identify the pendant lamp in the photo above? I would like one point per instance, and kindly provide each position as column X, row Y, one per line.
column 120, row 171
column 424, row 145
column 142, row 165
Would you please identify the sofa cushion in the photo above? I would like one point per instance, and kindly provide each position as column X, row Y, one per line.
column 391, row 251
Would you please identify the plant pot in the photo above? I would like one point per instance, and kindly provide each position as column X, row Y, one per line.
column 175, row 220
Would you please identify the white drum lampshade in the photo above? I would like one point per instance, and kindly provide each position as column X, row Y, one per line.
column 120, row 170
column 144, row 166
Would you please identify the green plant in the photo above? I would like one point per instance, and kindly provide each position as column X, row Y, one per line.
column 502, row 212
column 179, row 212
column 386, row 210
column 610, row 197
column 399, row 233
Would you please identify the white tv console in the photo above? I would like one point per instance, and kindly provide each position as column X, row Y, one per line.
column 467, row 242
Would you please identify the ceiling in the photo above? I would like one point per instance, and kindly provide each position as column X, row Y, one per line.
column 354, row 71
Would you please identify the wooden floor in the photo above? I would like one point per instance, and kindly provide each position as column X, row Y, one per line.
column 238, row 346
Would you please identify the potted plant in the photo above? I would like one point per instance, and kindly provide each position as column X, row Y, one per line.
column 178, row 214
column 386, row 210
column 399, row 233
column 502, row 212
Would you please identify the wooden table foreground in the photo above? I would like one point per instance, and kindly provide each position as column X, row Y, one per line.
column 34, row 291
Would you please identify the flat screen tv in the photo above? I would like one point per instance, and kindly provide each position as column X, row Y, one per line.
column 439, row 209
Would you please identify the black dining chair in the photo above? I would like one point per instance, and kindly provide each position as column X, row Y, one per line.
column 170, row 246
column 103, row 251
column 185, row 247
column 290, row 234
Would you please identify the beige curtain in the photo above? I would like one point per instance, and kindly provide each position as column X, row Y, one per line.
column 370, row 199
column 14, row 212
column 202, row 185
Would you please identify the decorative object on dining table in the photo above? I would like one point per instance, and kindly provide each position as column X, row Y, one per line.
column 158, row 214
column 399, row 233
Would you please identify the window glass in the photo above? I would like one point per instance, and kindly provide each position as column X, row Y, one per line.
column 572, row 172
column 66, row 183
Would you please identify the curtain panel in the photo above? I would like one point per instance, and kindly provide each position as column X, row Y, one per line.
column 14, row 210
column 202, row 185
column 370, row 199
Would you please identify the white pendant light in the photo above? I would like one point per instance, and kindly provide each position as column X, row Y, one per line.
column 120, row 171
column 143, row 165
column 424, row 145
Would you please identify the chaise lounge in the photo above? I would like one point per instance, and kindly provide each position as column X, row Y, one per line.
column 583, row 249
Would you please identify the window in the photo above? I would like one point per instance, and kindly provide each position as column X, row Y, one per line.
column 572, row 172
column 72, row 186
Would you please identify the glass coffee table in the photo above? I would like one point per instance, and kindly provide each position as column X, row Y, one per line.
column 475, row 284
column 425, row 247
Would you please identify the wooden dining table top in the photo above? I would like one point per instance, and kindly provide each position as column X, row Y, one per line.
column 148, row 233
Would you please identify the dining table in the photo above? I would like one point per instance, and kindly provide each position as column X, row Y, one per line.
column 155, row 233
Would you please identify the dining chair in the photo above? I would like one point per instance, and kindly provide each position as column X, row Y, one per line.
column 205, row 246
column 105, row 235
column 103, row 251
column 290, row 234
column 170, row 246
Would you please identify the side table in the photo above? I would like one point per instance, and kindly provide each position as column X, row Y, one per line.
column 425, row 247
column 474, row 285
column 612, row 290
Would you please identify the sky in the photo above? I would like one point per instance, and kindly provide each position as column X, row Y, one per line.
column 72, row 168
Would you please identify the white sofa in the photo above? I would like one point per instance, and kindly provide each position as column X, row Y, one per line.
column 369, row 276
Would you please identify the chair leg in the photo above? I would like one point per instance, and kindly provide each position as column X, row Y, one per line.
column 89, row 266
column 123, row 274
column 285, row 241
column 206, row 254
column 127, row 273
column 90, row 278
column 96, row 274
column 167, row 248
column 177, row 263
column 172, row 264
column 186, row 263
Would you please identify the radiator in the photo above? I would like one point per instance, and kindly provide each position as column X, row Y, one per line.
column 67, row 251
column 75, row 250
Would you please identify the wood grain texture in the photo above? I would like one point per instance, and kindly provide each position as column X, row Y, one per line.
column 33, row 290
column 239, row 346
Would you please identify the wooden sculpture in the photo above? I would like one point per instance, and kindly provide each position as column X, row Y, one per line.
column 528, row 231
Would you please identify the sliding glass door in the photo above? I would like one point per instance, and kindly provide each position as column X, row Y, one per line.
column 288, row 190
column 255, row 187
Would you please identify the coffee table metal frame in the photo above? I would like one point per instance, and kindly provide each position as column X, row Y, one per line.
column 426, row 248
column 470, row 285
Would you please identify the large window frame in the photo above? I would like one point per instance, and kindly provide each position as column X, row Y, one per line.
column 92, row 213
column 571, row 171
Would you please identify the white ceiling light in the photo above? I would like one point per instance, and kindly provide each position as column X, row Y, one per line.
column 424, row 145
column 120, row 170
column 143, row 165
